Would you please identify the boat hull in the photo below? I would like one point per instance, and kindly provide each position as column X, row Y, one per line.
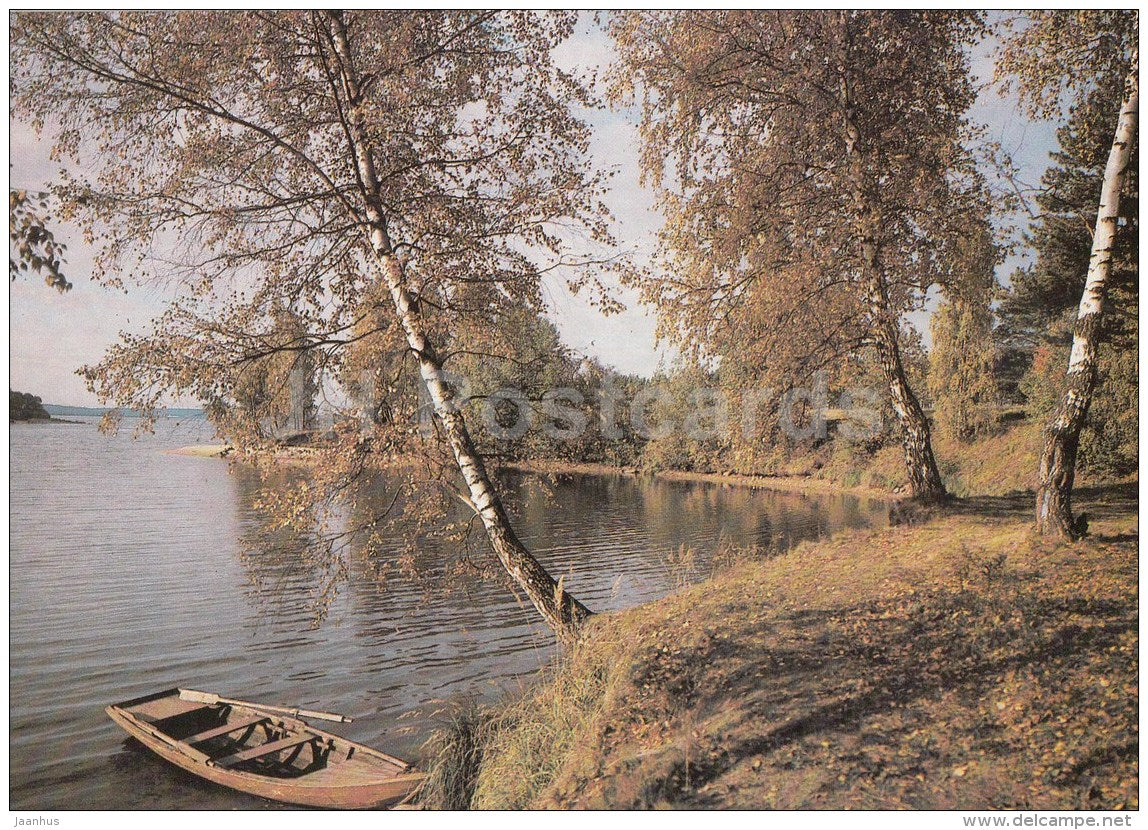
column 325, row 790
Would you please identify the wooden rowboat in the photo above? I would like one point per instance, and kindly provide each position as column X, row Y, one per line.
column 268, row 751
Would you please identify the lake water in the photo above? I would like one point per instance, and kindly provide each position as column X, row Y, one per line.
column 128, row 576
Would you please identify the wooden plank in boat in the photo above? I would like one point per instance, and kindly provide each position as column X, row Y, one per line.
column 226, row 729
column 264, row 750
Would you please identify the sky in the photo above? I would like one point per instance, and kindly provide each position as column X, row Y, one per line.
column 51, row 335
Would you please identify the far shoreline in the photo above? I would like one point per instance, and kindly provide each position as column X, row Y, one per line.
column 290, row 456
column 792, row 484
column 49, row 420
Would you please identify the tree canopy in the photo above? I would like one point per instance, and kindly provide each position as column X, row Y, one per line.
column 815, row 178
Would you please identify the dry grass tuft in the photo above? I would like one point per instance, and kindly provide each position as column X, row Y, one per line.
column 455, row 751
column 531, row 737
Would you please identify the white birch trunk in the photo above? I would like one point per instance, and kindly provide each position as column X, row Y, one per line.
column 562, row 612
column 1062, row 436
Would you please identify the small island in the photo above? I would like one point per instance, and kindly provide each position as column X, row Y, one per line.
column 26, row 407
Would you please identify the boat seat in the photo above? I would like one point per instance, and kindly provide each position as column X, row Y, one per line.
column 264, row 750
column 166, row 709
column 184, row 714
column 226, row 729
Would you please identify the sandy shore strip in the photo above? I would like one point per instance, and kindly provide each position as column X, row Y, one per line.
column 203, row 450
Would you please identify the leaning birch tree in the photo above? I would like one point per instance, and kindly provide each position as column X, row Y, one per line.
column 1048, row 55
column 812, row 170
column 418, row 166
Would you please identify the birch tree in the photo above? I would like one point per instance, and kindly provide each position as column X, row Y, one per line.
column 429, row 161
column 1051, row 56
column 815, row 183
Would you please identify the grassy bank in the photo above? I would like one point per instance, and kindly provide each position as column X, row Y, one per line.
column 957, row 663
column 993, row 466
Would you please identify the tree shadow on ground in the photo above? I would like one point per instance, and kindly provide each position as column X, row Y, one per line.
column 899, row 692
column 1100, row 502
